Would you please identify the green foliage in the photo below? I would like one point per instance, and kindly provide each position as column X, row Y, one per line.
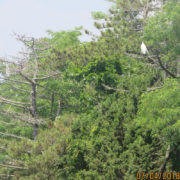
column 117, row 115
column 64, row 39
column 100, row 70
column 160, row 109
column 162, row 33
column 155, row 127
column 98, row 15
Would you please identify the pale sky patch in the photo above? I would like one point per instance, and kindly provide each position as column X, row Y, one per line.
column 34, row 17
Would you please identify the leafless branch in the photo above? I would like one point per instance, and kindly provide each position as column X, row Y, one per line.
column 9, row 62
column 3, row 148
column 15, row 167
column 13, row 102
column 16, row 105
column 44, row 97
column 48, row 89
column 26, row 77
column 154, row 88
column 115, row 89
column 29, row 72
column 154, row 58
column 11, row 135
column 42, row 49
column 8, row 124
column 163, row 165
column 20, row 89
column 16, row 81
column 6, row 175
column 15, row 124
column 22, row 117
column 47, row 77
column 164, row 68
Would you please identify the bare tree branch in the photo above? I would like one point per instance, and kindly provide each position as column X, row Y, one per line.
column 16, row 81
column 164, row 68
column 13, row 102
column 155, row 59
column 9, row 62
column 8, row 124
column 163, row 165
column 115, row 89
column 6, row 175
column 47, row 77
column 48, row 89
column 11, row 135
column 15, row 167
column 22, row 117
column 154, row 88
column 27, row 78
column 2, row 148
column 15, row 124
column 29, row 71
column 16, row 105
column 20, row 89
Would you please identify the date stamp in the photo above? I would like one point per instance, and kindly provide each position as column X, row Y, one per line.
column 158, row 176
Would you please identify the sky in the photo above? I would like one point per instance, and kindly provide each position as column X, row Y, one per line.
column 34, row 17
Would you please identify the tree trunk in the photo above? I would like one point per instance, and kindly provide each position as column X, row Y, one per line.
column 35, row 131
column 165, row 74
column 52, row 105
column 34, row 108
column 59, row 108
column 178, row 66
column 163, row 166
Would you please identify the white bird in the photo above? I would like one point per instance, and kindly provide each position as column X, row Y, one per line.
column 144, row 48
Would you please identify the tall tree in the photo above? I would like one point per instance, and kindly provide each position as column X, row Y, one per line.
column 27, row 75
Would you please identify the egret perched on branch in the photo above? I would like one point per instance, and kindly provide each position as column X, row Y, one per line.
column 144, row 48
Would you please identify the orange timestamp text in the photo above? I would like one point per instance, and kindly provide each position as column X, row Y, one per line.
column 156, row 175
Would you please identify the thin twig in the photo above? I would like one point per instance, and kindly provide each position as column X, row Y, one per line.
column 11, row 135
column 15, row 167
column 115, row 89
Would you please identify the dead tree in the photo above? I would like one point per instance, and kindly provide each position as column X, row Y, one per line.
column 29, row 71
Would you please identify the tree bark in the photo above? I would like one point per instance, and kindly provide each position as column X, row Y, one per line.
column 178, row 66
column 163, row 166
column 59, row 108
column 52, row 105
column 34, row 109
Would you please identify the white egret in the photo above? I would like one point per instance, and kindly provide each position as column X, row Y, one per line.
column 144, row 48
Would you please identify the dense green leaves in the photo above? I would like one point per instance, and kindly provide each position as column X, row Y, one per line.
column 111, row 113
